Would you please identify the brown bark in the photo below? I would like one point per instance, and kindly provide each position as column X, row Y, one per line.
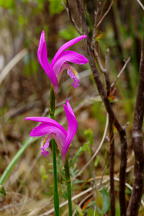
column 112, row 161
column 120, row 129
column 137, row 141
column 88, row 29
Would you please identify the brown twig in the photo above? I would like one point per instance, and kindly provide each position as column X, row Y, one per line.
column 139, row 2
column 112, row 162
column 111, row 137
column 82, row 202
column 68, row 9
column 137, row 141
column 105, row 14
column 102, row 68
column 121, row 71
column 18, row 57
column 116, row 23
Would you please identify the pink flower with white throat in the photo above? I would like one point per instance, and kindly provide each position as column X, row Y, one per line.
column 51, row 129
column 61, row 61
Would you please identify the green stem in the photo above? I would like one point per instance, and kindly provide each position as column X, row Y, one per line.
column 15, row 159
column 56, row 195
column 52, row 103
column 68, row 182
column 54, row 151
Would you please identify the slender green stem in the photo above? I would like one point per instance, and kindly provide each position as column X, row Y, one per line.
column 15, row 159
column 54, row 151
column 56, row 195
column 52, row 103
column 68, row 182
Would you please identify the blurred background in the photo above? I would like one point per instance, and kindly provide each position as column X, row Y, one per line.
column 24, row 91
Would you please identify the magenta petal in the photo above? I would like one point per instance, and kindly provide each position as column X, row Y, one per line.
column 72, row 127
column 69, row 56
column 51, row 132
column 45, row 129
column 42, row 49
column 39, row 130
column 66, row 46
column 42, row 130
column 43, row 60
column 49, row 122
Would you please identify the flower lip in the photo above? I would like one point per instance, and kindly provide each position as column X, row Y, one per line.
column 44, row 147
column 74, row 76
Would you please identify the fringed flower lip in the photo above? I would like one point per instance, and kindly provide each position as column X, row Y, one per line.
column 60, row 61
column 51, row 129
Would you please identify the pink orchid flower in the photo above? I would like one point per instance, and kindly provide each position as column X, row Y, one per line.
column 51, row 129
column 60, row 61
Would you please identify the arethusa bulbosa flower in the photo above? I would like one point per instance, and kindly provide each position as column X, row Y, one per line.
column 51, row 129
column 61, row 60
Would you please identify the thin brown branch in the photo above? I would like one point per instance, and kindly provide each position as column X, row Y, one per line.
column 106, row 74
column 68, row 9
column 121, row 71
column 139, row 2
column 82, row 14
column 86, row 198
column 116, row 23
column 137, row 141
column 105, row 14
column 102, row 68
column 12, row 64
column 111, row 138
column 112, row 162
